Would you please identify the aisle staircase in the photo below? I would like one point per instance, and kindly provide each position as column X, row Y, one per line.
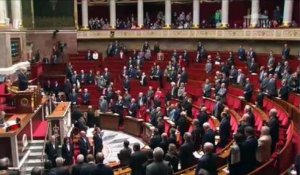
column 35, row 157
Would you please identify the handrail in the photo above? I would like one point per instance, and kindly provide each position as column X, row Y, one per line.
column 44, row 145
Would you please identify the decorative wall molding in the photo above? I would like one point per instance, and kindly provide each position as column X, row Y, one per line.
column 236, row 34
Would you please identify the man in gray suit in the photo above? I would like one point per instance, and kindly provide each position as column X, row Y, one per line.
column 159, row 166
column 271, row 87
column 241, row 78
column 103, row 105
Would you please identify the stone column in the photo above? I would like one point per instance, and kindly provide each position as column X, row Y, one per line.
column 168, row 13
column 140, row 11
column 287, row 13
column 112, row 13
column 196, row 13
column 16, row 13
column 225, row 12
column 254, row 13
column 3, row 12
column 85, row 14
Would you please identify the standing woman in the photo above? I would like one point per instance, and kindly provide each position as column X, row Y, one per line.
column 67, row 151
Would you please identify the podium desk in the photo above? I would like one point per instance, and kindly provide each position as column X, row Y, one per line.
column 60, row 121
column 133, row 125
column 14, row 141
column 109, row 121
column 27, row 101
column 148, row 131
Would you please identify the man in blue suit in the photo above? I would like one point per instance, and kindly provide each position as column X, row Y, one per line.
column 86, row 97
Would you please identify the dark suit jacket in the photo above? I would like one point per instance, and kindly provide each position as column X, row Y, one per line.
column 67, row 154
column 23, row 82
column 156, row 168
column 60, row 171
column 51, row 152
column 136, row 161
column 284, row 93
column 124, row 156
column 98, row 144
column 209, row 136
column 208, row 162
column 84, row 146
column 73, row 97
column 77, row 168
column 248, row 154
column 87, row 168
column 225, row 131
column 103, row 170
column 248, row 92
column 297, row 164
column 86, row 97
column 133, row 109
column 274, row 131
column 90, row 79
column 186, row 156
column 196, row 137
column 155, row 141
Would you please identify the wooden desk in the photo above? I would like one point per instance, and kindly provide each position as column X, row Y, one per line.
column 14, row 144
column 60, row 120
column 109, row 121
column 133, row 125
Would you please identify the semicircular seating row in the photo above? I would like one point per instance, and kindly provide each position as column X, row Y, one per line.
column 115, row 66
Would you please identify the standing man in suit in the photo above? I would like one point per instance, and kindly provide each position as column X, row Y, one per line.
column 51, row 150
column 119, row 109
column 86, row 97
column 208, row 162
column 218, row 108
column 271, row 87
column 23, row 79
column 60, row 169
column 248, row 151
column 284, row 91
column 126, row 84
column 67, row 151
column 88, row 167
column 225, row 130
column 209, row 134
column 133, row 108
column 98, row 144
column 248, row 90
column 124, row 154
column 101, row 168
column 159, row 165
column 75, row 170
column 274, row 127
column 84, row 144
column 137, row 159
column 186, row 150
column 285, row 52
column 103, row 105
column 242, row 53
